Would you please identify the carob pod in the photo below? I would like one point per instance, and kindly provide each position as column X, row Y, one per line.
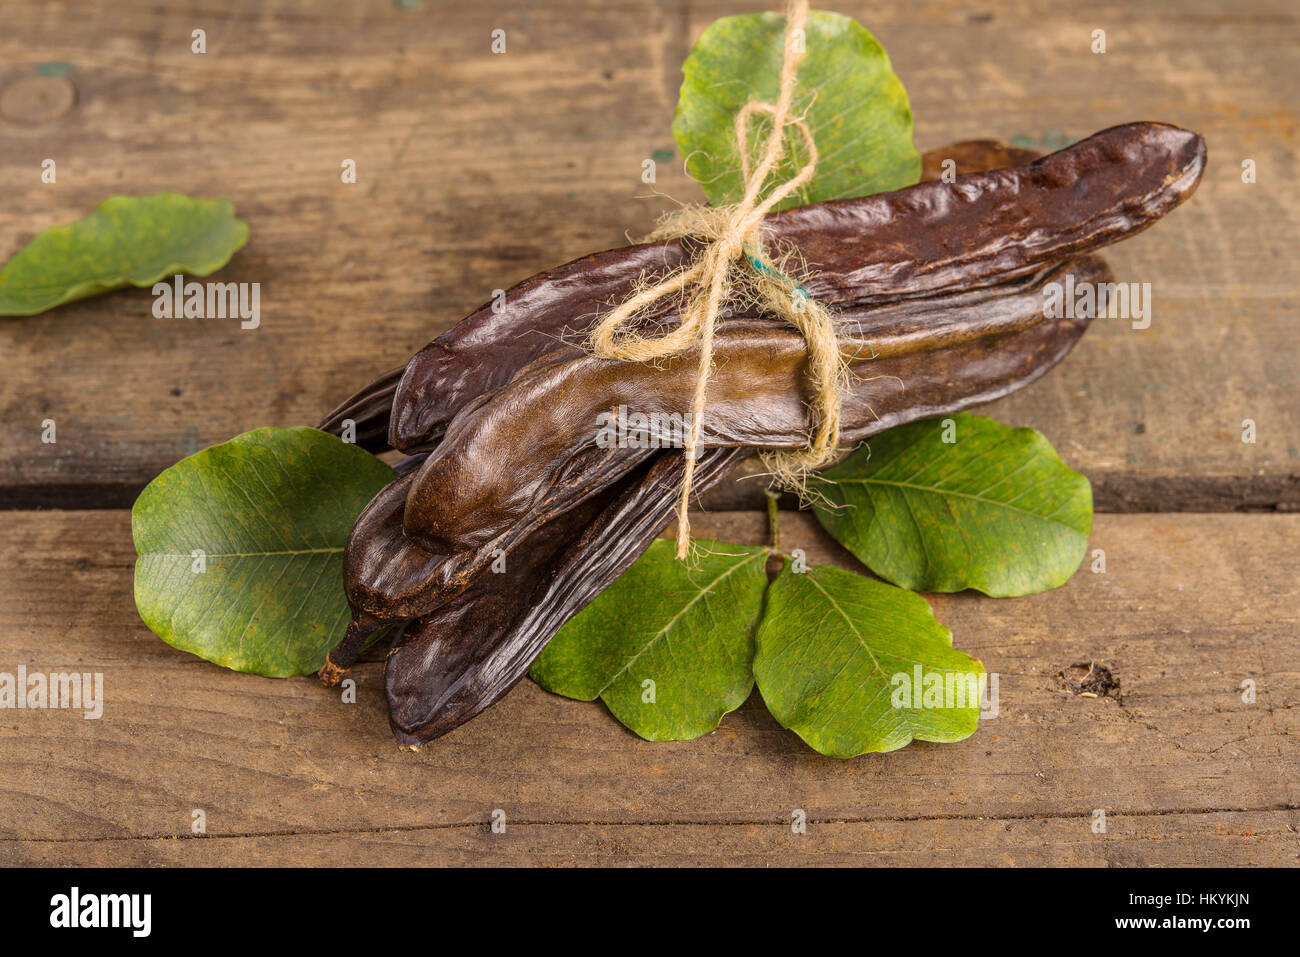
column 451, row 664
column 426, row 631
column 455, row 661
column 514, row 456
column 521, row 456
column 370, row 408
column 492, row 343
column 982, row 229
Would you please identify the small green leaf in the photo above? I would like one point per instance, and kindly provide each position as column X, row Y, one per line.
column 126, row 241
column 270, row 511
column 855, row 105
column 668, row 646
column 993, row 509
column 838, row 661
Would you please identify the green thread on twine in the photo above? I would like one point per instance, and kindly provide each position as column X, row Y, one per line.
column 763, row 267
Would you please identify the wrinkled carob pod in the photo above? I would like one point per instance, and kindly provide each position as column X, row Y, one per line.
column 518, row 457
column 984, row 227
column 1139, row 172
column 918, row 358
column 450, row 665
column 369, row 411
column 454, row 662
column 913, row 360
column 371, row 407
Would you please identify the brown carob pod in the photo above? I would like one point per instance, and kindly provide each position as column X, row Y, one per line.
column 513, row 456
column 1153, row 164
column 456, row 661
column 492, row 343
column 982, row 229
column 369, row 411
column 370, row 408
column 525, row 454
column 451, row 664
column 938, row 292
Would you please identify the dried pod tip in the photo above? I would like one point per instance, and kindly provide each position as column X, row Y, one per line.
column 344, row 655
column 331, row 674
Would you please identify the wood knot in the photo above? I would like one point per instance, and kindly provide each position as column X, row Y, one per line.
column 37, row 100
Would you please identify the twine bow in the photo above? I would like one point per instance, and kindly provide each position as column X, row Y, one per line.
column 735, row 253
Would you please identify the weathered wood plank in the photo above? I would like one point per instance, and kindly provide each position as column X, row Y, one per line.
column 1251, row 839
column 1189, row 607
column 476, row 170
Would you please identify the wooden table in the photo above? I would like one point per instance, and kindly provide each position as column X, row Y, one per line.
column 475, row 170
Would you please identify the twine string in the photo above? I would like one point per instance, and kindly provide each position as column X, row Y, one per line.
column 735, row 253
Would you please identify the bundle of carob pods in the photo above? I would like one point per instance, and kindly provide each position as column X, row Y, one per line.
column 938, row 293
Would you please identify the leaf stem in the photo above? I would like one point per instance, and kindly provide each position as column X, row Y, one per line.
column 773, row 520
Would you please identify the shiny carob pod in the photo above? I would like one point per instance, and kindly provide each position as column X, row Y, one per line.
column 518, row 454
column 451, row 664
column 982, row 229
column 1005, row 212
column 527, row 453
column 939, row 272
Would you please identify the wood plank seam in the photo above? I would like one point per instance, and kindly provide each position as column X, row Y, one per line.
column 777, row 820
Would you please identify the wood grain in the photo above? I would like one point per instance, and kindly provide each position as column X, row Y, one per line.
column 1224, row 839
column 476, row 170
column 1189, row 608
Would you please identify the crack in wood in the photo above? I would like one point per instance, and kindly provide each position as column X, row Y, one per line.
column 752, row 822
